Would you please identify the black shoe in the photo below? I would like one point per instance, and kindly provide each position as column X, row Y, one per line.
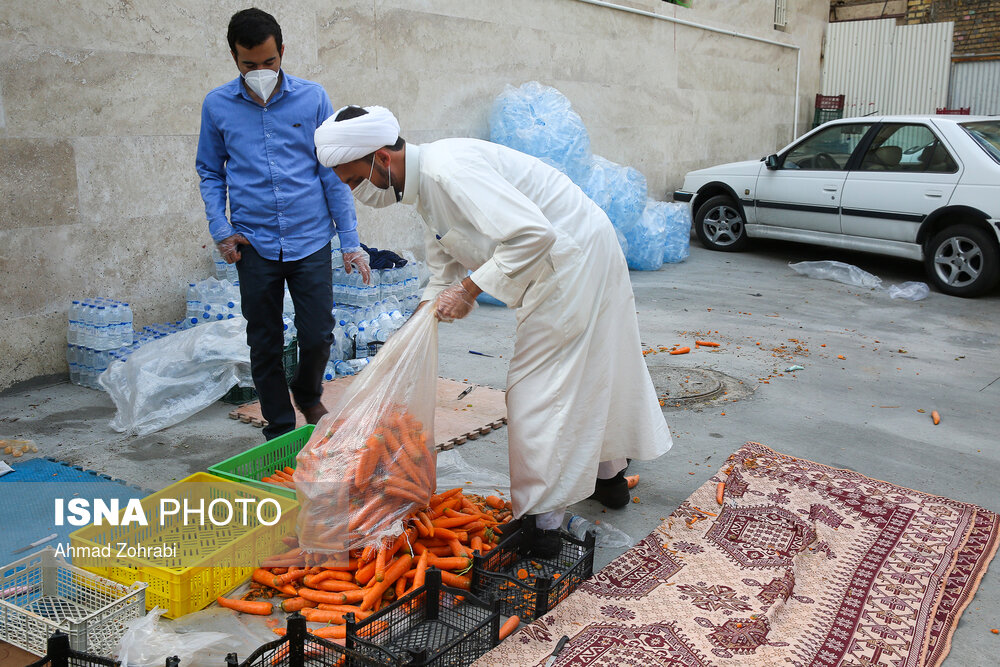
column 545, row 543
column 612, row 493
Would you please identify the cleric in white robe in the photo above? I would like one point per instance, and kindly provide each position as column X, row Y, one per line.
column 579, row 397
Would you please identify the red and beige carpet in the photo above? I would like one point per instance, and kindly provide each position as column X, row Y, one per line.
column 802, row 565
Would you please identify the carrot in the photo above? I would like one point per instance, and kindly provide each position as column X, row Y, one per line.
column 336, row 586
column 380, row 562
column 453, row 521
column 455, row 580
column 445, row 533
column 369, row 456
column 456, row 563
column 290, row 470
column 296, row 604
column 720, row 491
column 706, row 343
column 400, row 587
column 342, row 608
column 476, row 543
column 291, row 575
column 935, row 417
column 365, row 574
column 330, row 632
column 632, row 481
column 522, row 574
column 324, row 616
column 421, row 570
column 404, row 494
column 396, row 570
column 424, row 519
column 246, row 606
column 262, row 576
column 346, row 597
column 509, row 626
column 495, row 502
column 681, row 350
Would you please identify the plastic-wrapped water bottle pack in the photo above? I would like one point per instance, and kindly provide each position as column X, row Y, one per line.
column 678, row 245
column 540, row 121
column 619, row 190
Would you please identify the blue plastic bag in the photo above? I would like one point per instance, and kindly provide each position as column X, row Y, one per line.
column 540, row 121
column 647, row 238
column 678, row 245
column 619, row 190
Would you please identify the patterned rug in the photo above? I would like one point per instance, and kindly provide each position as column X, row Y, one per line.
column 802, row 565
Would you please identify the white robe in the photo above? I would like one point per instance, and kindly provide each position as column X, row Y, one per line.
column 578, row 391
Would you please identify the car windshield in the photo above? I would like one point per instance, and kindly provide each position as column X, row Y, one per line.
column 987, row 134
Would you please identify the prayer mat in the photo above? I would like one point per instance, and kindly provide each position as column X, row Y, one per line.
column 803, row 564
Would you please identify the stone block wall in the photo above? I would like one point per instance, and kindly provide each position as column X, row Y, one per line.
column 100, row 107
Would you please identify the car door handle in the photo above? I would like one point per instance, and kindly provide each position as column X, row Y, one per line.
column 830, row 188
column 934, row 193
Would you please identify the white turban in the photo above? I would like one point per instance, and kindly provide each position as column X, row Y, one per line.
column 343, row 141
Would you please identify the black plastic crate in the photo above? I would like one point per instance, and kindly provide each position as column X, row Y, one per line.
column 434, row 625
column 298, row 648
column 821, row 116
column 59, row 654
column 549, row 580
column 289, row 357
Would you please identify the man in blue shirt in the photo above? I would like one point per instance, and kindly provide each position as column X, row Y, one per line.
column 256, row 147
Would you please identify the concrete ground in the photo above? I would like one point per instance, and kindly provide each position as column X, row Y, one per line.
column 858, row 412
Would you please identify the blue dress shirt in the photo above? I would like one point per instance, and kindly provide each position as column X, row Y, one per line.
column 280, row 197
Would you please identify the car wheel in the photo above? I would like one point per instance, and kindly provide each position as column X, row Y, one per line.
column 962, row 260
column 720, row 224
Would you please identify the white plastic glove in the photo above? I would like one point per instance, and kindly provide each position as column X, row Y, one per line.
column 455, row 302
column 358, row 259
column 229, row 247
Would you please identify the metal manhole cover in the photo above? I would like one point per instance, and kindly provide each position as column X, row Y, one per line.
column 678, row 386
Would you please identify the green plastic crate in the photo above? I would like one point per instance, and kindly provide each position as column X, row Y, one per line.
column 250, row 466
column 290, row 358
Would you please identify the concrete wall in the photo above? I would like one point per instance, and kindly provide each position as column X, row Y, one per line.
column 100, row 101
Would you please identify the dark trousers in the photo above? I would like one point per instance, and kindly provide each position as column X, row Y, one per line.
column 262, row 290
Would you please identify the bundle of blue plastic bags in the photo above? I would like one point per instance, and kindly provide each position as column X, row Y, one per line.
column 540, row 121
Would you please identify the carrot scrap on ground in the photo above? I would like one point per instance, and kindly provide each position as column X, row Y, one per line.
column 720, row 490
column 935, row 417
column 632, row 481
column 681, row 350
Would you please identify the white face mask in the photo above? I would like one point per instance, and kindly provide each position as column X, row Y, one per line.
column 262, row 82
column 370, row 194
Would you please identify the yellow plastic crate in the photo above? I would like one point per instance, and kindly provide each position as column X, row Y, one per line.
column 208, row 560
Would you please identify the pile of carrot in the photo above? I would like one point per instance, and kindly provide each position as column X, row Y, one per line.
column 353, row 485
column 443, row 533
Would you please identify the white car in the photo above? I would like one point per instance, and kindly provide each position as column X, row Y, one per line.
column 920, row 187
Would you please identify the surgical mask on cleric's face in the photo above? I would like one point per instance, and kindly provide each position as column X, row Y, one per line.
column 370, row 194
column 262, row 82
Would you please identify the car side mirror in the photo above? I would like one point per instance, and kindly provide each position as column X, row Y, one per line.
column 771, row 161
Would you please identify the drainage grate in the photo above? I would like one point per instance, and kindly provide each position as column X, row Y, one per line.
column 680, row 387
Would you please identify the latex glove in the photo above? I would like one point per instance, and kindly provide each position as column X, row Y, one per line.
column 454, row 303
column 358, row 259
column 229, row 247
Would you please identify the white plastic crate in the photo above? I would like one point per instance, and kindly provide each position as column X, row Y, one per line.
column 42, row 593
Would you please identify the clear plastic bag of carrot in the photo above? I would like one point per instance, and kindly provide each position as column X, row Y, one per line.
column 444, row 533
column 370, row 462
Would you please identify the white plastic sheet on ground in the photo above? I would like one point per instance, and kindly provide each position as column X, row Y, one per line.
column 852, row 275
column 167, row 380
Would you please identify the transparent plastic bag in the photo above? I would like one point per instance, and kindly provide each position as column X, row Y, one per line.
column 167, row 380
column 148, row 643
column 540, row 121
column 620, row 191
column 371, row 461
column 678, row 245
column 453, row 471
column 838, row 272
column 911, row 291
column 647, row 238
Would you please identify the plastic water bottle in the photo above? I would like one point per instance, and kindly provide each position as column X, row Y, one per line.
column 330, row 372
column 361, row 342
column 606, row 535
